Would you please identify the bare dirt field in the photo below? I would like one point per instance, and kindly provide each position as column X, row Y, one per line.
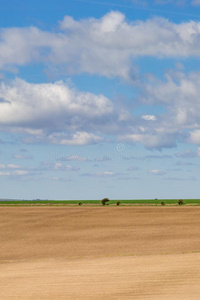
column 99, row 253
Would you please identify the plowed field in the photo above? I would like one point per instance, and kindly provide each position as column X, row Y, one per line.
column 99, row 253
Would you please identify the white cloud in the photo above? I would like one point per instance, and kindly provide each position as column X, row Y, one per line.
column 55, row 113
column 20, row 46
column 59, row 114
column 12, row 170
column 103, row 46
column 78, row 138
column 151, row 139
column 47, row 102
column 195, row 137
column 178, row 94
column 149, row 117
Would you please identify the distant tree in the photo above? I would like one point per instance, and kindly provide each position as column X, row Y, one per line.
column 104, row 201
column 180, row 202
column 80, row 203
column 162, row 203
column 118, row 203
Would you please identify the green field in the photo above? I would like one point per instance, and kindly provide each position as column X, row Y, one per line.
column 97, row 202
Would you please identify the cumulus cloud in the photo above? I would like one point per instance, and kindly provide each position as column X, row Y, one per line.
column 104, row 46
column 195, row 137
column 55, row 113
column 21, row 46
column 178, row 94
column 151, row 139
column 33, row 103
column 149, row 117
column 58, row 114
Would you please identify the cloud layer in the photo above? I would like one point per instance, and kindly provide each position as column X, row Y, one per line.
column 59, row 114
column 55, row 113
column 106, row 46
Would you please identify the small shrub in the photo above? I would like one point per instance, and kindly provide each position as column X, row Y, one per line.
column 118, row 203
column 105, row 201
column 162, row 203
column 180, row 202
column 80, row 203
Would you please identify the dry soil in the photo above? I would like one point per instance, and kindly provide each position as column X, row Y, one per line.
column 99, row 253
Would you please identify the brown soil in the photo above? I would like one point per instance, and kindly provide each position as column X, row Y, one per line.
column 99, row 253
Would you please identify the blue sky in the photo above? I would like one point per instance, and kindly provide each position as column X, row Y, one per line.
column 99, row 99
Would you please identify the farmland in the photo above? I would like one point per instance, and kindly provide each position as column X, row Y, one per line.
column 95, row 252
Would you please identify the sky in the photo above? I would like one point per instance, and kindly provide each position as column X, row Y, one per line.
column 99, row 99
